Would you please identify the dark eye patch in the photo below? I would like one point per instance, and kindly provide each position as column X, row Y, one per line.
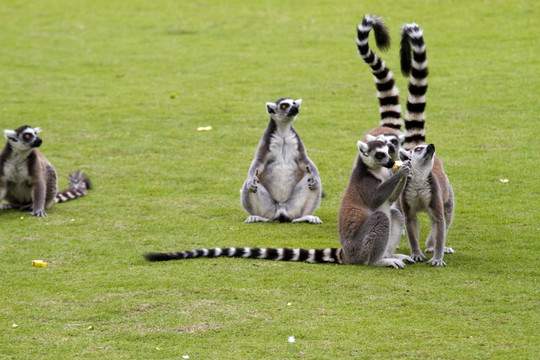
column 379, row 155
column 418, row 149
column 27, row 136
column 394, row 141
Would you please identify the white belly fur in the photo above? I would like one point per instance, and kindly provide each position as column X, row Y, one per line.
column 281, row 175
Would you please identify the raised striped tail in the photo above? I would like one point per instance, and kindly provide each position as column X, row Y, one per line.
column 414, row 65
column 387, row 92
column 318, row 256
column 79, row 184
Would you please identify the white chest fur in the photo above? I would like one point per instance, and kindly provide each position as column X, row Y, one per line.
column 418, row 193
column 281, row 173
column 17, row 177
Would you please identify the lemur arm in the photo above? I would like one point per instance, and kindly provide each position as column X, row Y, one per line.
column 385, row 190
column 38, row 197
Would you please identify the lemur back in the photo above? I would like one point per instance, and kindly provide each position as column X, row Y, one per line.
column 427, row 189
column 283, row 184
column 28, row 181
column 390, row 125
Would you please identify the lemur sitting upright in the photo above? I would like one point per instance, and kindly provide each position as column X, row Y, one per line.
column 364, row 220
column 283, row 184
column 388, row 94
column 27, row 180
column 428, row 188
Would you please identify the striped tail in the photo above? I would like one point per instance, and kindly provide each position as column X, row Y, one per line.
column 412, row 41
column 79, row 184
column 387, row 92
column 318, row 256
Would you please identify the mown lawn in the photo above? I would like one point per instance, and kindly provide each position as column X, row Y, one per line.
column 119, row 89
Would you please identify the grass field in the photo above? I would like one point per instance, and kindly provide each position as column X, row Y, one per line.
column 119, row 89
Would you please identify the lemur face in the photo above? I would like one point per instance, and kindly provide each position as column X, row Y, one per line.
column 23, row 138
column 392, row 141
column 375, row 154
column 421, row 155
column 284, row 109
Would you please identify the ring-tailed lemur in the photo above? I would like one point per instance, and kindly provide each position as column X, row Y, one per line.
column 388, row 94
column 369, row 229
column 27, row 180
column 283, row 184
column 427, row 188
column 364, row 221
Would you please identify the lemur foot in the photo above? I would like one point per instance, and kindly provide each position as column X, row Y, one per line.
column 436, row 262
column 309, row 219
column 6, row 207
column 447, row 250
column 418, row 257
column 403, row 257
column 255, row 219
column 39, row 213
column 387, row 262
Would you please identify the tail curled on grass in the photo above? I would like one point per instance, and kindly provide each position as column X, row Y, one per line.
column 79, row 184
column 414, row 64
column 318, row 256
column 387, row 92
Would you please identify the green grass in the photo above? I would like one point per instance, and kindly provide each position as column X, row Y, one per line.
column 119, row 89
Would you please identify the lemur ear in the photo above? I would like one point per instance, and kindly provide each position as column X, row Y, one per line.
column 298, row 102
column 370, row 137
column 401, row 139
column 362, row 147
column 270, row 108
column 37, row 130
column 10, row 135
column 404, row 155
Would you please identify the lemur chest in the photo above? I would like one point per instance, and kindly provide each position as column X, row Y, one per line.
column 16, row 171
column 418, row 194
column 282, row 172
column 18, row 179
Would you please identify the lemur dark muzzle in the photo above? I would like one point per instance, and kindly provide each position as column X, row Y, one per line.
column 37, row 143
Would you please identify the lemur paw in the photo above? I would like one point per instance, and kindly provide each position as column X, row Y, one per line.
column 5, row 207
column 436, row 262
column 309, row 219
column 419, row 257
column 403, row 170
column 403, row 257
column 447, row 250
column 255, row 219
column 313, row 184
column 39, row 213
column 253, row 185
column 397, row 264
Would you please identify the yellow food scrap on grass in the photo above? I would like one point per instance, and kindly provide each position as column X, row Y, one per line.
column 39, row 263
column 204, row 128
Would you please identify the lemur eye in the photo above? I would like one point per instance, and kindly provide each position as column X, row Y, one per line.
column 418, row 149
column 379, row 156
column 284, row 106
column 394, row 142
column 27, row 136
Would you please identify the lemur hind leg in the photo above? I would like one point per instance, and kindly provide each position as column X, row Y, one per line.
column 258, row 202
column 304, row 200
column 369, row 244
column 396, row 230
